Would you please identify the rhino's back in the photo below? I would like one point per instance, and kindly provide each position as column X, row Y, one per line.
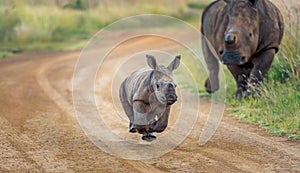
column 271, row 27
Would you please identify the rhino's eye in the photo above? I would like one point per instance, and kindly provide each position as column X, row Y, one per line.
column 250, row 34
column 157, row 86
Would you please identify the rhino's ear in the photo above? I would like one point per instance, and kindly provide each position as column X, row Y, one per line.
column 175, row 63
column 227, row 1
column 151, row 61
column 253, row 2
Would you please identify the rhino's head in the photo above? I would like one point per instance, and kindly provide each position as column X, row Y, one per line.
column 162, row 81
column 242, row 33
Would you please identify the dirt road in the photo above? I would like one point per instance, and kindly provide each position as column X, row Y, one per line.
column 39, row 131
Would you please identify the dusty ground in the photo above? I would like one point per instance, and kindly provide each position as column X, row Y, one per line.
column 40, row 133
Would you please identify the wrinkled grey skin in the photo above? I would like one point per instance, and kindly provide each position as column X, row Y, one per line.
column 245, row 34
column 147, row 95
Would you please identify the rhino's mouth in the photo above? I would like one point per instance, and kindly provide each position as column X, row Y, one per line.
column 171, row 98
column 233, row 58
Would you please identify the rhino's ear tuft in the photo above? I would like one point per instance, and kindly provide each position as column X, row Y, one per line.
column 175, row 63
column 253, row 2
column 151, row 61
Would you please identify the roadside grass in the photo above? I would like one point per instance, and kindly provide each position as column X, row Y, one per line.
column 4, row 54
column 44, row 25
column 277, row 109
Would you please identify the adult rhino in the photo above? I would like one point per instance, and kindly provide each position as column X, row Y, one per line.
column 245, row 34
column 147, row 95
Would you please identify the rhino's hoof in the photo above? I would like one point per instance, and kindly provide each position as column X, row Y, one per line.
column 239, row 95
column 132, row 129
column 207, row 86
column 149, row 137
column 209, row 89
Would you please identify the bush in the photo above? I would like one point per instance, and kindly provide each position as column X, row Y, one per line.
column 77, row 5
column 8, row 24
column 32, row 23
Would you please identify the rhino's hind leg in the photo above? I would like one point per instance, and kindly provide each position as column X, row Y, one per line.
column 127, row 108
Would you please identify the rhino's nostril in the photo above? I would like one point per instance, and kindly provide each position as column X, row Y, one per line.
column 243, row 60
column 221, row 52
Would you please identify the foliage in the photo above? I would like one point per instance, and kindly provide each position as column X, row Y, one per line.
column 4, row 54
column 7, row 24
column 44, row 23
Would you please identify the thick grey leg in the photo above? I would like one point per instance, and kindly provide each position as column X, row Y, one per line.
column 161, row 124
column 140, row 122
column 240, row 75
column 262, row 64
column 212, row 63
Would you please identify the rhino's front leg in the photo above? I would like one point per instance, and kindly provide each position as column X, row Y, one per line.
column 240, row 75
column 161, row 124
column 212, row 63
column 262, row 64
column 140, row 122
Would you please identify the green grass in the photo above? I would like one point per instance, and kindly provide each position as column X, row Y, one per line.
column 277, row 110
column 4, row 54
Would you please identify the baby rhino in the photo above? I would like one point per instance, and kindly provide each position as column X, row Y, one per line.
column 147, row 95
